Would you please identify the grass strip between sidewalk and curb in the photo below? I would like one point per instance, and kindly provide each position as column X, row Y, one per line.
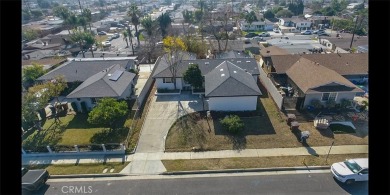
column 84, row 168
column 256, row 162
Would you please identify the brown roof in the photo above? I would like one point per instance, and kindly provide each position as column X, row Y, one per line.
column 309, row 76
column 345, row 41
column 272, row 50
column 45, row 61
column 342, row 63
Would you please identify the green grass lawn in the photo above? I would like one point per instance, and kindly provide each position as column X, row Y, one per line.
column 74, row 130
column 85, row 168
column 141, row 37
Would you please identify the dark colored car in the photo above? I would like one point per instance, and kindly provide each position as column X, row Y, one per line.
column 250, row 35
column 323, row 34
column 32, row 180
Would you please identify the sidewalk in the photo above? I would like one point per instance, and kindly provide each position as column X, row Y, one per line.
column 156, row 156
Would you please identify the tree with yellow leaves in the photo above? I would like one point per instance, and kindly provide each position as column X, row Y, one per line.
column 175, row 49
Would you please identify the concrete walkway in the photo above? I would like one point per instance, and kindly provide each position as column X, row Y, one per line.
column 299, row 151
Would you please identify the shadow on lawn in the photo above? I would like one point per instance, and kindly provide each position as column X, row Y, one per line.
column 310, row 150
column 43, row 138
column 110, row 136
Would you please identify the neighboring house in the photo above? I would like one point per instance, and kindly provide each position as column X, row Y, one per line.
column 114, row 82
column 344, row 42
column 41, row 45
column 230, row 84
column 99, row 54
column 232, row 54
column 82, row 69
column 318, row 82
column 298, row 46
column 56, row 39
column 324, row 20
column 103, row 27
column 177, row 29
column 234, row 45
column 257, row 26
column 353, row 68
column 299, row 23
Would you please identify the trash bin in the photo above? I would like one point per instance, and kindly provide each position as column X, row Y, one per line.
column 290, row 118
column 294, row 126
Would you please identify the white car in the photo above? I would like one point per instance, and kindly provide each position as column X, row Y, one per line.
column 106, row 43
column 351, row 170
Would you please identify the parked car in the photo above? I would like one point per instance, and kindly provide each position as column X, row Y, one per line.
column 106, row 43
column 257, row 38
column 250, row 35
column 318, row 31
column 102, row 33
column 351, row 170
column 276, row 30
column 32, row 180
column 110, row 38
column 306, row 32
column 264, row 34
column 115, row 36
column 323, row 34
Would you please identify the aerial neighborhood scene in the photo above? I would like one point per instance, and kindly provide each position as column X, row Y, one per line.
column 194, row 97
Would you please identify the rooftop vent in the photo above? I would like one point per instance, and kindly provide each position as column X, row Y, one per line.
column 248, row 61
column 206, row 62
column 115, row 76
column 221, row 69
column 108, row 74
column 222, row 75
column 268, row 51
column 347, row 64
column 235, row 71
column 238, row 61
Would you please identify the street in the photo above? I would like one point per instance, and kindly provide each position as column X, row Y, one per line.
column 239, row 183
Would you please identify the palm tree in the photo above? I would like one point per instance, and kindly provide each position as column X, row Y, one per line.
column 88, row 17
column 125, row 35
column 78, row 37
column 81, row 20
column 134, row 13
column 89, row 41
column 130, row 34
column 164, row 21
column 148, row 25
column 63, row 13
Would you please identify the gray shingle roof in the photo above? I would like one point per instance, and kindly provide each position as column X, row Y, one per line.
column 205, row 66
column 227, row 80
column 319, row 76
column 100, row 85
column 82, row 70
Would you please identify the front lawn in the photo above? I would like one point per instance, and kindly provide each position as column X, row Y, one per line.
column 270, row 130
column 73, row 130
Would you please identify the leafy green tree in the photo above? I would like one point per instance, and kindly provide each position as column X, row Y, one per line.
column 198, row 15
column 232, row 124
column 88, row 17
column 164, row 21
column 107, row 112
column 284, row 14
column 30, row 34
column 29, row 74
column 125, row 35
column 43, row 4
column 78, row 38
column 283, row 3
column 36, row 14
column 276, row 2
column 187, row 15
column 193, row 76
column 328, row 11
column 89, row 40
column 251, row 17
column 269, row 14
column 148, row 25
column 134, row 13
column 276, row 9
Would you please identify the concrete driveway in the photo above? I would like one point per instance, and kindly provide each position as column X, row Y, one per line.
column 163, row 112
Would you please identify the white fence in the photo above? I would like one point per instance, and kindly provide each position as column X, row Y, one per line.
column 149, row 84
column 276, row 96
column 76, row 151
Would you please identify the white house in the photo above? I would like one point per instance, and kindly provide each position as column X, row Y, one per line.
column 257, row 25
column 299, row 23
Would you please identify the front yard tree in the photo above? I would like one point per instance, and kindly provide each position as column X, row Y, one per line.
column 232, row 124
column 54, row 89
column 193, row 76
column 250, row 17
column 29, row 74
column 174, row 48
column 134, row 13
column 164, row 22
column 107, row 112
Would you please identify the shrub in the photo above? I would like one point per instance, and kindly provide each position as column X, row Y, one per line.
column 232, row 123
column 330, row 103
column 316, row 103
column 345, row 103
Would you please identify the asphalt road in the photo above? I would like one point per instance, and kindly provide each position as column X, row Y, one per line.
column 306, row 183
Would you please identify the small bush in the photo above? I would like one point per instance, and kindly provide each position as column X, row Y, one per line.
column 232, row 123
column 330, row 103
column 83, row 107
column 316, row 103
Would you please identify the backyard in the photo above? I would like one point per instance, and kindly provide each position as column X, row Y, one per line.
column 265, row 129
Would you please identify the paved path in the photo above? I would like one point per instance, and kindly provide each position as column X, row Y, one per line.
column 320, row 150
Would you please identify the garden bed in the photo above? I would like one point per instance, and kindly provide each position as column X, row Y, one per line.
column 340, row 129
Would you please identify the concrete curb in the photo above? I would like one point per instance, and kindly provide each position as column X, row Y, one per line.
column 87, row 175
column 247, row 170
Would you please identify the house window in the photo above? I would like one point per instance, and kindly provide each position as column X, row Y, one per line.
column 328, row 96
column 167, row 80
column 93, row 100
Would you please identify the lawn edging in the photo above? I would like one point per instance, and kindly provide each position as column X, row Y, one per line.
column 247, row 170
column 87, row 175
